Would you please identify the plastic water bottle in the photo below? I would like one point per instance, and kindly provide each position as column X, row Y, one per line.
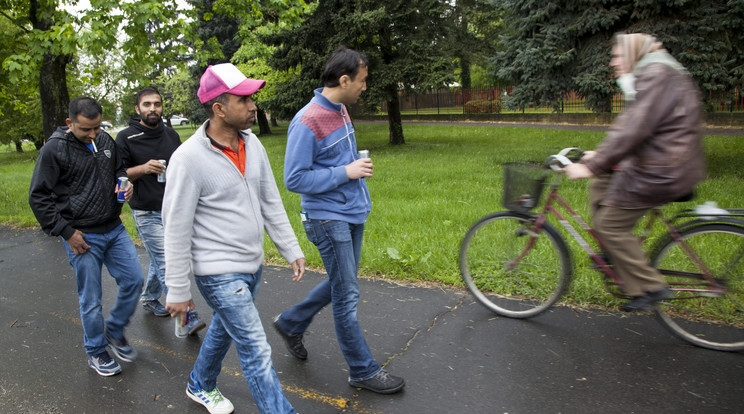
column 709, row 210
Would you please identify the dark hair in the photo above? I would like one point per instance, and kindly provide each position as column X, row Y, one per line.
column 85, row 106
column 223, row 99
column 343, row 61
column 149, row 90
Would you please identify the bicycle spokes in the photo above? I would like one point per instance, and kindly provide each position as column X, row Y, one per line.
column 707, row 306
column 512, row 267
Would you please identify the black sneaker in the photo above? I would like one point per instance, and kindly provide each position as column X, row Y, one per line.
column 381, row 383
column 294, row 342
column 646, row 302
column 155, row 307
column 121, row 348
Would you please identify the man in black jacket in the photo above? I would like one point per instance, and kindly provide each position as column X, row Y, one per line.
column 73, row 195
column 142, row 146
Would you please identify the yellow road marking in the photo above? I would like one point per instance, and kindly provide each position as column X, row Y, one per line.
column 333, row 401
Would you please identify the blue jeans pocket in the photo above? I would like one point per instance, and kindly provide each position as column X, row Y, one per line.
column 336, row 230
column 310, row 231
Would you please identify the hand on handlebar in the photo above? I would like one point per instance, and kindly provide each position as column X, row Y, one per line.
column 565, row 157
column 577, row 171
column 566, row 161
column 587, row 155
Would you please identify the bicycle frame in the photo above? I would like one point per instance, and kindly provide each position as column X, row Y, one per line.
column 549, row 208
column 706, row 283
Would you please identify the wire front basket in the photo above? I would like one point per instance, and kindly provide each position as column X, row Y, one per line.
column 523, row 185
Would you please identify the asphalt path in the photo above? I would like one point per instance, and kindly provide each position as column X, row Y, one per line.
column 456, row 356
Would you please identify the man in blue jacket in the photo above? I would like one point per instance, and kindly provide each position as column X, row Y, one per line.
column 321, row 163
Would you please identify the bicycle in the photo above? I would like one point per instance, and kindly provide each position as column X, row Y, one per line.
column 518, row 264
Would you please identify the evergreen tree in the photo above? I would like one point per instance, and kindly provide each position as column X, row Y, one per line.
column 472, row 35
column 403, row 41
column 552, row 47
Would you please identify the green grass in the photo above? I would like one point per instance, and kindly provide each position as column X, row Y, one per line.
column 427, row 193
column 15, row 179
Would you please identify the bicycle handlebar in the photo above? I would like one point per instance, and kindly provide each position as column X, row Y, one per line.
column 563, row 158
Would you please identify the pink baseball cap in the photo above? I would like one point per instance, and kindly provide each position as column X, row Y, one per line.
column 225, row 77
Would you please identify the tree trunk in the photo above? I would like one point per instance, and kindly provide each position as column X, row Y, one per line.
column 273, row 122
column 19, row 146
column 464, row 55
column 465, row 79
column 55, row 98
column 394, row 121
column 263, row 123
column 53, row 93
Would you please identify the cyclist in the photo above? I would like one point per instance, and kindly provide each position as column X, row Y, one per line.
column 652, row 155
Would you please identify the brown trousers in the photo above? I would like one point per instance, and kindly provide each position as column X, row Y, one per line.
column 615, row 228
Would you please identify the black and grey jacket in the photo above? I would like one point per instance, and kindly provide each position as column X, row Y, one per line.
column 73, row 188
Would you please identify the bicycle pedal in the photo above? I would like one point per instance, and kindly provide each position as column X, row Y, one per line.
column 597, row 266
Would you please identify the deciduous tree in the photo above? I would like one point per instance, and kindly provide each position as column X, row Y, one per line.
column 52, row 33
column 229, row 29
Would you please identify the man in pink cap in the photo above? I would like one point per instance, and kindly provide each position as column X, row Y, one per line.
column 221, row 196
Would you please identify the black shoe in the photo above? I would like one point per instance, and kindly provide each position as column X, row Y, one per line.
column 121, row 348
column 646, row 302
column 294, row 342
column 155, row 307
column 382, row 383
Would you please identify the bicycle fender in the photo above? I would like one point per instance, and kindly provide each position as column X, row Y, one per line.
column 710, row 220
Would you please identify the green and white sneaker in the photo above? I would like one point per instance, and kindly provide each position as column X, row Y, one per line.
column 213, row 401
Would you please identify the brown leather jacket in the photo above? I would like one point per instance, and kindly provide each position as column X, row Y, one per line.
column 656, row 142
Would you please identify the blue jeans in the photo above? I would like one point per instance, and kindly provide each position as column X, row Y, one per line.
column 116, row 250
column 340, row 247
column 150, row 229
column 235, row 319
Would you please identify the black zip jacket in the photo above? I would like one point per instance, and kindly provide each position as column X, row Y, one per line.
column 138, row 144
column 73, row 188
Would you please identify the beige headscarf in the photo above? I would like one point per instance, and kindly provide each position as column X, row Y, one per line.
column 634, row 47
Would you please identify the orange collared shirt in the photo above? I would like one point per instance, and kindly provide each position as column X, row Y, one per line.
column 237, row 158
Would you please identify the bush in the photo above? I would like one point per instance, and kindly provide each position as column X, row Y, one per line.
column 483, row 106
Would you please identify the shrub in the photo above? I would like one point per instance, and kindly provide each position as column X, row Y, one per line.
column 483, row 106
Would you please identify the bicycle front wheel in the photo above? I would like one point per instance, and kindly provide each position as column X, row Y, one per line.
column 511, row 267
column 698, row 312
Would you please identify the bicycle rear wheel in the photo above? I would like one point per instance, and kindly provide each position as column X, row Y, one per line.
column 697, row 312
column 512, row 268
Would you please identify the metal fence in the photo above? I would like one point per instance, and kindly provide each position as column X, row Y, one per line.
column 492, row 100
